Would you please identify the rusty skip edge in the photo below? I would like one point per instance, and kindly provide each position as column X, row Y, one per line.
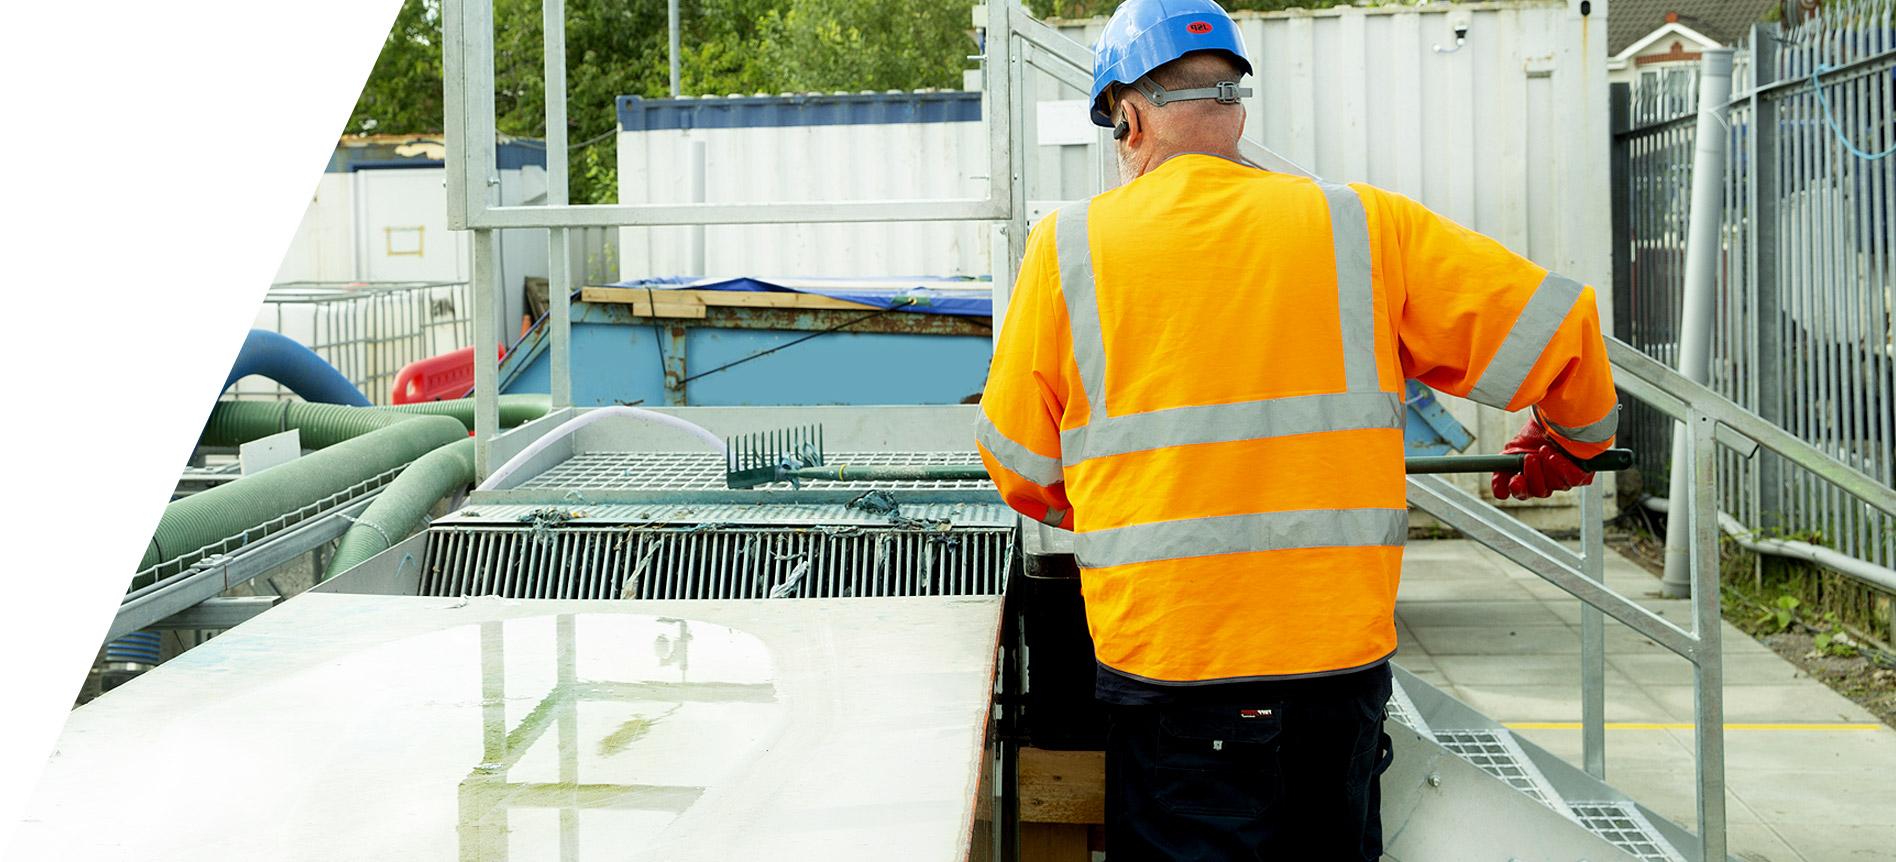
column 793, row 319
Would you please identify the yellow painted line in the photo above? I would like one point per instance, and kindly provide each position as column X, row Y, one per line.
column 1686, row 725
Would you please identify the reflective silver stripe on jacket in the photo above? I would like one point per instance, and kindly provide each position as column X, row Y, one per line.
column 1592, row 432
column 1355, row 297
column 1525, row 342
column 1075, row 256
column 1021, row 461
column 1238, row 534
column 1364, row 406
column 1225, row 423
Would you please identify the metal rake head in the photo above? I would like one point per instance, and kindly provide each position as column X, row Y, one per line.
column 757, row 459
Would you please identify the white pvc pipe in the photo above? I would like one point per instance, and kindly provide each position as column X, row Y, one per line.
column 1862, row 570
column 589, row 417
column 1701, row 287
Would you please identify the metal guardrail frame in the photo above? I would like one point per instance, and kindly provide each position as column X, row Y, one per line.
column 1013, row 39
column 193, row 578
column 468, row 72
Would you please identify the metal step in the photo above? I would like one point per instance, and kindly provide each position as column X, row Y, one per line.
column 1527, row 803
column 1628, row 829
column 1499, row 754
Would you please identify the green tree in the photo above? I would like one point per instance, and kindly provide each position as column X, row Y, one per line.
column 403, row 93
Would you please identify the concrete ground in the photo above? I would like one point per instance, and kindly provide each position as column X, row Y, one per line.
column 1811, row 776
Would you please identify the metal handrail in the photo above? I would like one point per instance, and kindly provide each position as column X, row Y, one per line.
column 1675, row 395
column 1710, row 419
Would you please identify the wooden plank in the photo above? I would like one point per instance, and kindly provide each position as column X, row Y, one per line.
column 656, row 303
column 752, row 299
column 1062, row 786
column 1053, row 842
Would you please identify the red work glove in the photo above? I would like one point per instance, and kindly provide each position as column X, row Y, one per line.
column 1544, row 468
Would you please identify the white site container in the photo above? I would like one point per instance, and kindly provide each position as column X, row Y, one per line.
column 816, row 147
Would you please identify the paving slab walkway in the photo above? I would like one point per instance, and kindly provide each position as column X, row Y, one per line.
column 1811, row 776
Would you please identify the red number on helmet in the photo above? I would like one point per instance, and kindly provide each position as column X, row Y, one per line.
column 1199, row 27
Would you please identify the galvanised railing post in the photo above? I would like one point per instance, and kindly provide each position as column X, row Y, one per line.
column 1708, row 678
column 487, row 305
column 559, row 249
column 1593, row 634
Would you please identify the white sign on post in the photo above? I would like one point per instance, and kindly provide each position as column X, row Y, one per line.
column 261, row 454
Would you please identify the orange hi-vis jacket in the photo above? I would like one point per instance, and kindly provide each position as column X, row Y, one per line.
column 1201, row 374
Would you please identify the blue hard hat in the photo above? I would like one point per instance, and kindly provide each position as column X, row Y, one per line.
column 1146, row 34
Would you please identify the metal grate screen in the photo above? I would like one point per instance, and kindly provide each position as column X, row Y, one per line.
column 708, row 562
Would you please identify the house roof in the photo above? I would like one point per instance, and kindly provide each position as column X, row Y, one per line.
column 1724, row 20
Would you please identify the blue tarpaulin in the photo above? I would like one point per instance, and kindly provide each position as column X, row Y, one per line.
column 962, row 297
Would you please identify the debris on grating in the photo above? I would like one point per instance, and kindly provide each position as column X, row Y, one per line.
column 875, row 503
column 631, row 588
column 544, row 520
column 837, row 530
column 926, row 525
column 791, row 584
column 881, row 502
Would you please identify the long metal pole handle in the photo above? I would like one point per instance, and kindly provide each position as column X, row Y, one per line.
column 1610, row 460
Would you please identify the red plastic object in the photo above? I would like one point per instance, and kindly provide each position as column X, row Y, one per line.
column 437, row 378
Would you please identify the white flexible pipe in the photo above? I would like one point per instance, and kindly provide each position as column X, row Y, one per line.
column 587, row 418
column 1862, row 570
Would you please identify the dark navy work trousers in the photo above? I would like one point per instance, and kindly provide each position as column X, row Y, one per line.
column 1285, row 771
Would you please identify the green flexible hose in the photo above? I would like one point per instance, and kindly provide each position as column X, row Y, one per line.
column 385, row 441
column 354, row 444
column 514, row 409
column 320, row 426
column 401, row 505
column 233, row 423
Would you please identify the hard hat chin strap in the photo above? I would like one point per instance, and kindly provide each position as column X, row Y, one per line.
column 1224, row 92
